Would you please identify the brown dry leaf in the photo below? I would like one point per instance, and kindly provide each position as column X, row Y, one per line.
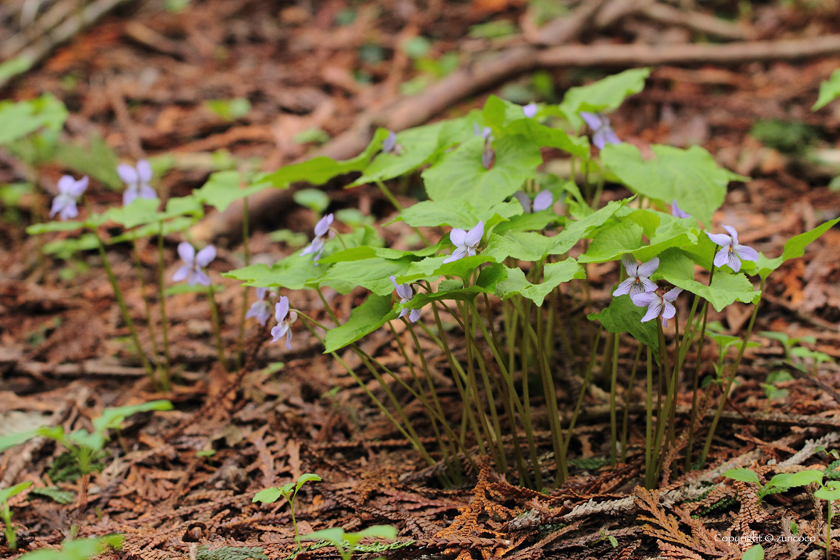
column 78, row 338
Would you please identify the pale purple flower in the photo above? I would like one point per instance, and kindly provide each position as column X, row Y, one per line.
column 731, row 252
column 284, row 322
column 137, row 179
column 69, row 190
column 638, row 276
column 677, row 212
column 602, row 134
column 406, row 293
column 465, row 242
column 530, row 110
column 194, row 264
column 542, row 201
column 318, row 244
column 658, row 306
column 390, row 143
column 260, row 309
column 483, row 132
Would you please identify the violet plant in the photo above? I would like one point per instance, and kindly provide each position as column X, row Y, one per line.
column 505, row 255
column 504, row 289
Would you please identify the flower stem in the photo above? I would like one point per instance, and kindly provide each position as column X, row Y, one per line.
column 613, row 419
column 731, row 378
column 164, row 323
column 217, row 328
column 627, row 396
column 696, row 379
column 164, row 383
column 126, row 315
column 240, row 338
column 649, row 474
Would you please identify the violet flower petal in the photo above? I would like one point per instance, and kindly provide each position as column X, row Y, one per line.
column 720, row 239
column 530, row 110
column 631, row 265
column 523, row 200
column 205, row 256
column 281, row 309
column 648, row 268
column 186, row 252
column 474, row 236
column 543, row 201
column 624, row 287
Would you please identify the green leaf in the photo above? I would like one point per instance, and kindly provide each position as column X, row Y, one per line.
column 827, row 494
column 293, row 272
column 829, row 91
column 267, row 496
column 507, row 119
column 372, row 274
column 314, row 199
column 112, row 418
column 459, row 213
column 223, row 188
column 521, row 245
column 13, row 491
column 79, row 549
column 334, row 535
column 431, row 268
column 55, row 494
column 691, row 177
column 368, row 317
column 379, row 531
column 604, row 95
column 97, row 159
column 140, row 211
column 744, row 475
column 15, row 66
column 585, row 227
column 622, row 315
column 795, row 480
column 306, row 477
column 229, row 109
column 535, row 221
column 613, row 241
column 461, row 175
column 25, row 117
column 321, row 169
column 794, row 248
column 12, row 440
column 678, row 269
column 418, row 146
column 554, row 274
column 183, row 288
column 755, row 552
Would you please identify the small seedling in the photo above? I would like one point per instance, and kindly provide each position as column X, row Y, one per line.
column 779, row 483
column 79, row 549
column 288, row 491
column 6, row 514
column 830, row 493
column 346, row 543
column 83, row 445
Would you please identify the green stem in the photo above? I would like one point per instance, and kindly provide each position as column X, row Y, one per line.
column 627, row 395
column 459, row 376
column 217, row 328
column 240, row 338
column 731, row 378
column 695, row 380
column 586, row 380
column 106, row 263
column 164, row 323
column 613, row 419
column 649, row 474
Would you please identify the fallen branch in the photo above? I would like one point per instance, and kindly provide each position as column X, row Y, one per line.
column 37, row 52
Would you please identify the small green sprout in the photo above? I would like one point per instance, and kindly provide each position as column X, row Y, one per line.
column 777, row 484
column 830, row 493
column 79, row 549
column 346, row 543
column 83, row 445
column 288, row 491
column 6, row 514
